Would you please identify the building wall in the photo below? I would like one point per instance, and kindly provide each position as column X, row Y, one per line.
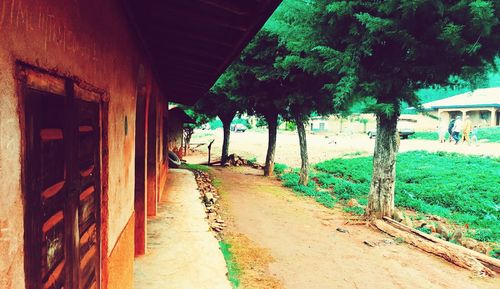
column 318, row 124
column 479, row 116
column 11, row 206
column 69, row 38
column 121, row 270
column 175, row 135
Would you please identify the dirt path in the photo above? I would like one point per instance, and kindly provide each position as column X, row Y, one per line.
column 308, row 252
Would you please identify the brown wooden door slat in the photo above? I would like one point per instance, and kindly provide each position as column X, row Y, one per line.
column 88, row 165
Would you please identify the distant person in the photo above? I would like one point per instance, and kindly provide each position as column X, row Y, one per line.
column 457, row 129
column 442, row 130
column 467, row 128
column 450, row 129
column 474, row 135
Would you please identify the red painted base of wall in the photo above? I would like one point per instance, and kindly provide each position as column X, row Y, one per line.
column 162, row 180
column 121, row 260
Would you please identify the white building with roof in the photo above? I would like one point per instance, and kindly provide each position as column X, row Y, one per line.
column 481, row 105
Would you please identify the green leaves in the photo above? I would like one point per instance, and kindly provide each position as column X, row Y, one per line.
column 483, row 15
column 326, row 55
column 340, row 8
column 386, row 109
column 452, row 33
column 373, row 23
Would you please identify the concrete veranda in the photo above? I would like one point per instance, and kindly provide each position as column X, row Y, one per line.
column 182, row 253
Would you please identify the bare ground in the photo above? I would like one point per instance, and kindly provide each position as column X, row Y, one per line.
column 320, row 147
column 281, row 240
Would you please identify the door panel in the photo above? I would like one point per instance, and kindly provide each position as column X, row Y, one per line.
column 47, row 191
column 62, row 191
column 89, row 202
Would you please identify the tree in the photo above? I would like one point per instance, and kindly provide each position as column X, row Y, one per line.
column 275, row 80
column 306, row 95
column 199, row 120
column 304, row 81
column 384, row 51
column 261, row 87
column 217, row 103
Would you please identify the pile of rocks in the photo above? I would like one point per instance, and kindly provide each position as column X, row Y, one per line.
column 209, row 197
column 236, row 160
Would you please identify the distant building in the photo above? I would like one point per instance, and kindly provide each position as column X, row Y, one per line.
column 318, row 123
column 481, row 105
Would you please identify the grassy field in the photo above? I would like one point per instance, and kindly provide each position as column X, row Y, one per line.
column 427, row 135
column 491, row 134
column 488, row 134
column 463, row 189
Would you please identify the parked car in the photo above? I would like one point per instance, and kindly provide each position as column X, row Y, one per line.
column 238, row 127
column 405, row 129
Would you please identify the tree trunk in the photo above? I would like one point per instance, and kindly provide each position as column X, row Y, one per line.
column 272, row 127
column 304, row 168
column 225, row 144
column 188, row 133
column 381, row 196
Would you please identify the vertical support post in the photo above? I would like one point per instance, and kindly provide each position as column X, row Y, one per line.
column 152, row 167
column 140, row 205
column 209, row 149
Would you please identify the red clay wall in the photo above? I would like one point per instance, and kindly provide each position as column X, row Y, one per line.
column 121, row 270
column 175, row 136
column 92, row 41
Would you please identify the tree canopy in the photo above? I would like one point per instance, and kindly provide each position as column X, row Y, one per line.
column 324, row 56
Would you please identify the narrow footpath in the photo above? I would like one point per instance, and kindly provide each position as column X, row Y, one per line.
column 182, row 253
column 310, row 246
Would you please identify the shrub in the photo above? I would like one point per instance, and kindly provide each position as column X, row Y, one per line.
column 354, row 210
column 459, row 187
column 279, row 168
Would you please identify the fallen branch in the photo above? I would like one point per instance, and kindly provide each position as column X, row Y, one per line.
column 452, row 256
column 492, row 263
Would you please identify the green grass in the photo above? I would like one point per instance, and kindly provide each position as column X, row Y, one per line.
column 354, row 210
column 495, row 253
column 487, row 134
column 232, row 268
column 427, row 135
column 279, row 168
column 291, row 179
column 202, row 168
column 492, row 134
column 464, row 189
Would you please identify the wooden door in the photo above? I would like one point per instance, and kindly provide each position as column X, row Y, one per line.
column 62, row 186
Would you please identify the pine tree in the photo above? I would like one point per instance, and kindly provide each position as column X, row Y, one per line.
column 384, row 51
